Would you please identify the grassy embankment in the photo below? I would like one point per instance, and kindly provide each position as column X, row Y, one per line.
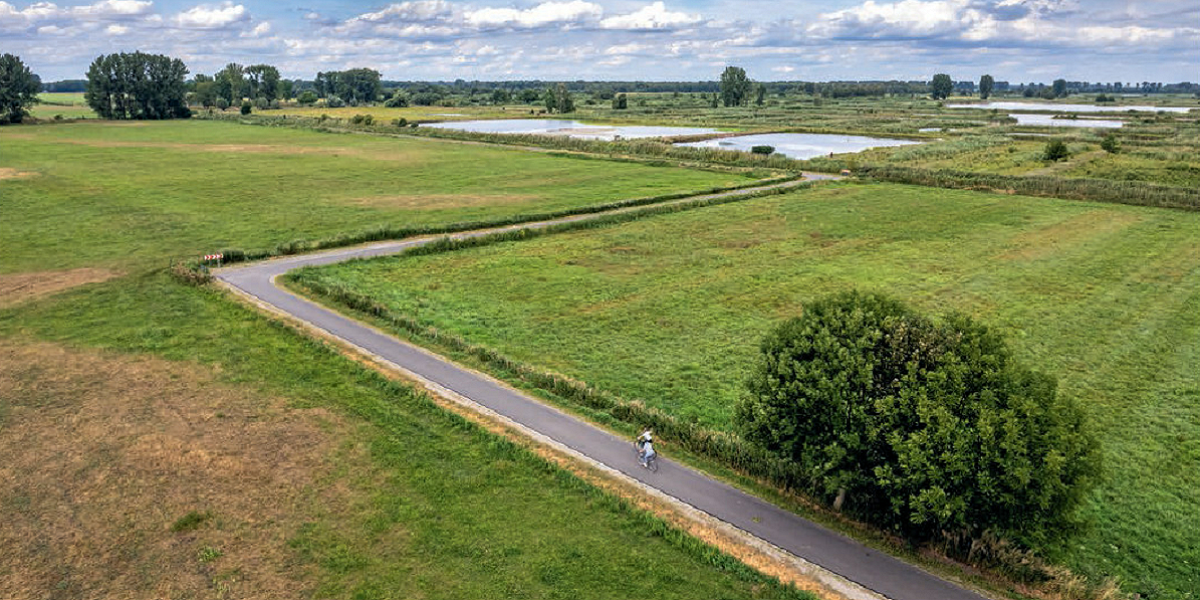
column 670, row 310
column 166, row 440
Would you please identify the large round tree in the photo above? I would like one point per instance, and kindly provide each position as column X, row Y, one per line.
column 19, row 88
column 924, row 427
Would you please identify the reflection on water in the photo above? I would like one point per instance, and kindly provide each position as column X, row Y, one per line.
column 801, row 145
column 573, row 129
column 1062, row 108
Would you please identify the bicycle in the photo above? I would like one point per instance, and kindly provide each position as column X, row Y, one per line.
column 651, row 464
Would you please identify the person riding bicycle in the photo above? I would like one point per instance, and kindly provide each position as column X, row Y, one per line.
column 646, row 437
column 648, row 453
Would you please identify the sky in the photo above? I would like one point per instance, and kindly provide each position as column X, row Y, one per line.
column 657, row 40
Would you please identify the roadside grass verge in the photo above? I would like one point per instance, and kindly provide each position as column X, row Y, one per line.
column 667, row 313
column 431, row 505
column 129, row 195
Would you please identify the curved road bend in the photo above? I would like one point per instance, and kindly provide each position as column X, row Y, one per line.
column 867, row 567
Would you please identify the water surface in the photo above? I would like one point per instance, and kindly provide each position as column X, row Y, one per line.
column 575, row 129
column 1047, row 120
column 1064, row 108
column 801, row 145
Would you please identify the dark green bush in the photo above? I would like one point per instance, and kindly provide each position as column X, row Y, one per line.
column 923, row 427
column 762, row 149
column 1056, row 150
column 1110, row 143
column 246, row 107
column 190, row 521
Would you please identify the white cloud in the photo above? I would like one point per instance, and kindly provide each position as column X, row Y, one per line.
column 53, row 18
column 580, row 38
column 909, row 18
column 421, row 10
column 260, row 30
column 652, row 16
column 116, row 8
column 631, row 48
column 547, row 13
column 212, row 16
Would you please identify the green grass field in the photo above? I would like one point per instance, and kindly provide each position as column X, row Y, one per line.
column 134, row 194
column 68, row 105
column 438, row 508
column 427, row 504
column 670, row 310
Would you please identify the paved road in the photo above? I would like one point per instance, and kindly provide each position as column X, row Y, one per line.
column 873, row 570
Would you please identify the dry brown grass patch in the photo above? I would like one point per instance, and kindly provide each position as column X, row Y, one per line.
column 10, row 173
column 103, row 454
column 21, row 287
column 440, row 200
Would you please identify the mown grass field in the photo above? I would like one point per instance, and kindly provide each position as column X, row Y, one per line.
column 68, row 105
column 134, row 194
column 162, row 440
column 670, row 310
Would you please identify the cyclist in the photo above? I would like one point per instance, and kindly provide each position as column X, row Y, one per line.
column 642, row 440
column 647, row 453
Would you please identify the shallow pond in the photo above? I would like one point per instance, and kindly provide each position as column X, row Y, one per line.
column 1066, row 108
column 801, row 145
column 573, row 129
column 1049, row 121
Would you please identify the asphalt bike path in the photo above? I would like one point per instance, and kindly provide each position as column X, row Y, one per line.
column 869, row 568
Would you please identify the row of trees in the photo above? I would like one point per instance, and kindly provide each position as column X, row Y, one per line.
column 354, row 86
column 942, row 86
column 137, row 86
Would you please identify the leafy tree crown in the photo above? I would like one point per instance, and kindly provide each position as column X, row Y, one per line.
column 924, row 427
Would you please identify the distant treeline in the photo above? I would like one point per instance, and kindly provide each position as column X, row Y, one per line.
column 606, row 89
column 72, row 86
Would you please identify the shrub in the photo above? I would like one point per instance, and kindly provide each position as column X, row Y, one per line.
column 245, row 107
column 307, row 98
column 1110, row 143
column 400, row 122
column 222, row 103
column 362, row 119
column 398, row 100
column 262, row 103
column 1056, row 150
column 762, row 149
column 923, row 427
column 190, row 521
column 334, row 102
